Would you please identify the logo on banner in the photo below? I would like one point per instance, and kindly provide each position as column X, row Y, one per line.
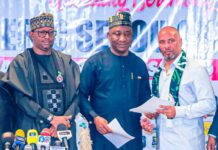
column 214, row 75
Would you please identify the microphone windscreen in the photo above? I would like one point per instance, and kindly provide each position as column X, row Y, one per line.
column 63, row 132
column 61, row 127
column 28, row 147
column 20, row 133
column 32, row 136
column 8, row 137
column 57, row 143
column 45, row 132
column 19, row 140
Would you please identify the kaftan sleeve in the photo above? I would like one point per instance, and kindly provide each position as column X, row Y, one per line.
column 87, row 86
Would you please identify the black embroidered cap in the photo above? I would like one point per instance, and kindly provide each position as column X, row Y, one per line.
column 43, row 20
column 120, row 19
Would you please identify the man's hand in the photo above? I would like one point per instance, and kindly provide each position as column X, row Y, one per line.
column 53, row 132
column 169, row 111
column 61, row 120
column 146, row 125
column 151, row 115
column 102, row 125
column 211, row 144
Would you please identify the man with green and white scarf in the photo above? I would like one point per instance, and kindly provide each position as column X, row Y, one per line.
column 187, row 84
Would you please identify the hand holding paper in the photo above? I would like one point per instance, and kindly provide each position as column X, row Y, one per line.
column 118, row 137
column 168, row 111
column 102, row 125
column 147, row 125
column 151, row 105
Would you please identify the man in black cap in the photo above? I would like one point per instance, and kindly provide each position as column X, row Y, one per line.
column 45, row 82
column 112, row 82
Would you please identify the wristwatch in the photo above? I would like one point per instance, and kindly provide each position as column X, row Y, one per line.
column 50, row 117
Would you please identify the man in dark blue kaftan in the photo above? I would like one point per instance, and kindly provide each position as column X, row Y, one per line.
column 112, row 82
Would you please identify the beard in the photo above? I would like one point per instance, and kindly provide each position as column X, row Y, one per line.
column 47, row 47
column 169, row 57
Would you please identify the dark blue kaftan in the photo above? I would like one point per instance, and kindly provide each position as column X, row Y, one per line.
column 114, row 85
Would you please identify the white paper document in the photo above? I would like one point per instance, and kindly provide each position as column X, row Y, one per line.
column 118, row 137
column 151, row 105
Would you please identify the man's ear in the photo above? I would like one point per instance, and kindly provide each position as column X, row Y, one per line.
column 31, row 35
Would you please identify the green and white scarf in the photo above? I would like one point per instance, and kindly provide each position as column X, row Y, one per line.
column 175, row 81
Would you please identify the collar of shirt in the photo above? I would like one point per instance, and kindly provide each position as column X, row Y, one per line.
column 173, row 65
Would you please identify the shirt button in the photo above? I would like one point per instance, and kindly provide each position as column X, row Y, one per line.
column 41, row 121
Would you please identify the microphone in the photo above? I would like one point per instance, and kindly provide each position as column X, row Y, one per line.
column 44, row 139
column 28, row 147
column 19, row 140
column 32, row 138
column 64, row 134
column 57, row 146
column 57, row 143
column 45, row 132
column 7, row 139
